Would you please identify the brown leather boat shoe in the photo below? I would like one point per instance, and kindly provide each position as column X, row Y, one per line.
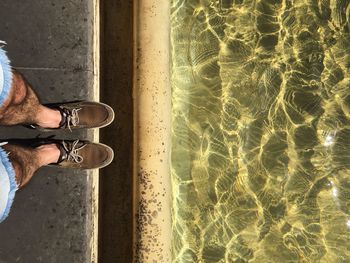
column 81, row 115
column 83, row 154
column 77, row 154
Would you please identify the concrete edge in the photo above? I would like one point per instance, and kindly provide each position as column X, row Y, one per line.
column 152, row 132
column 93, row 177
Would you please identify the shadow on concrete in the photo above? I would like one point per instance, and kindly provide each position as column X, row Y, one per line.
column 116, row 217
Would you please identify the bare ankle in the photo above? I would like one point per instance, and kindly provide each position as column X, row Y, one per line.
column 47, row 154
column 48, row 118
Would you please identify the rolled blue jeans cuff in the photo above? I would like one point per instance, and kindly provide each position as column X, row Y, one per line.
column 8, row 185
column 5, row 76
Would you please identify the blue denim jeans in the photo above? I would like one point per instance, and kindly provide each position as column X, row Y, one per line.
column 8, row 185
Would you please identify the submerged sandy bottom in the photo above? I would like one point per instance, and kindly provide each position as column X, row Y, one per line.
column 261, row 131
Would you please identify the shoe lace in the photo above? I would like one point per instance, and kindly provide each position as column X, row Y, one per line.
column 73, row 151
column 73, row 118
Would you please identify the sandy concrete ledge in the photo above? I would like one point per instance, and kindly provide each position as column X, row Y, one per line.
column 152, row 111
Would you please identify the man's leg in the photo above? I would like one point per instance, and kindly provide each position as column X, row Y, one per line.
column 17, row 166
column 19, row 105
column 22, row 106
column 26, row 161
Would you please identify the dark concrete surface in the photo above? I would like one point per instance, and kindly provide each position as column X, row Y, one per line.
column 50, row 42
column 116, row 189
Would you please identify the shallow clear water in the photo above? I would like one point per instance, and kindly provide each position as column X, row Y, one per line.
column 261, row 131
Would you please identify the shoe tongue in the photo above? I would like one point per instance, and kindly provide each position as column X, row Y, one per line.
column 64, row 115
column 63, row 153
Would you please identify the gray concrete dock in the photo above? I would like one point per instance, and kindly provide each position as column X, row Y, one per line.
column 51, row 43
